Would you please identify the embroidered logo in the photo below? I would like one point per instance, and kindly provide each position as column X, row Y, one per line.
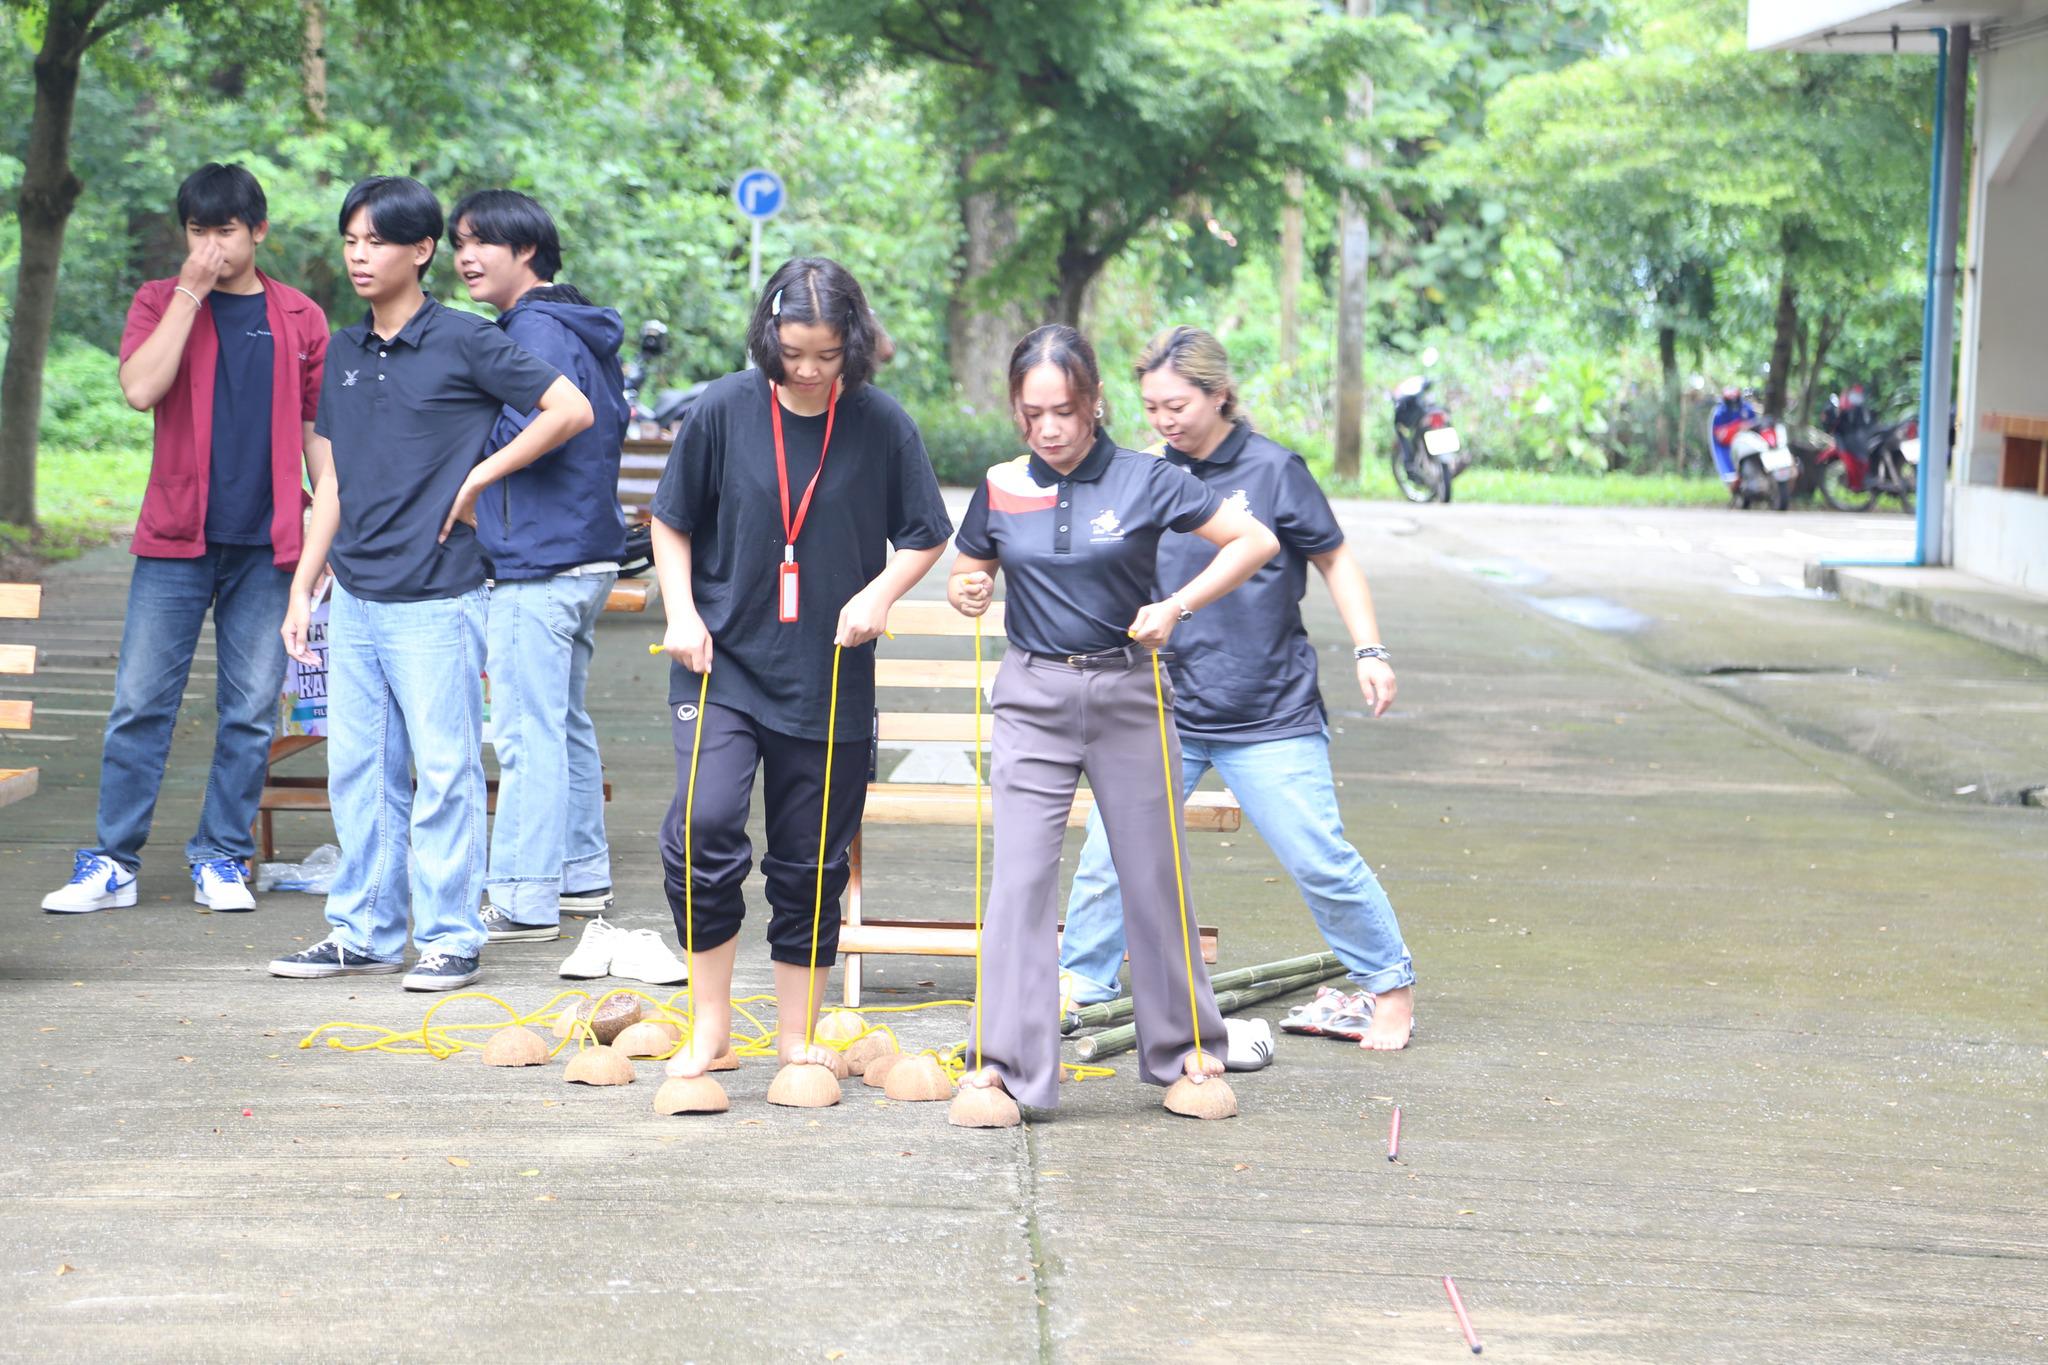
column 1241, row 500
column 1106, row 526
column 348, row 378
column 687, row 711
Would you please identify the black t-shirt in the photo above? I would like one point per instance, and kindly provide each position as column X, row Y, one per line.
column 720, row 489
column 409, row 418
column 1244, row 667
column 238, row 495
column 1077, row 550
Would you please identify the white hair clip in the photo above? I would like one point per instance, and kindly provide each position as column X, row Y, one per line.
column 775, row 305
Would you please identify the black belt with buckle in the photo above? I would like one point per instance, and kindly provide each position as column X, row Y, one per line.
column 1127, row 657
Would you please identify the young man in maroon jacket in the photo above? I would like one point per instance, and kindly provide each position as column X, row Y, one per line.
column 229, row 360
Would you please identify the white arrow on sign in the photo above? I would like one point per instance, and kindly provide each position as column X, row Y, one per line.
column 759, row 193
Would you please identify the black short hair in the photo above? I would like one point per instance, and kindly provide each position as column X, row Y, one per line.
column 812, row 289
column 509, row 218
column 216, row 195
column 401, row 210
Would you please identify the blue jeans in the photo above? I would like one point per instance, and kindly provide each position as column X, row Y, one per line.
column 549, row 833
column 1285, row 787
column 167, row 605
column 403, row 692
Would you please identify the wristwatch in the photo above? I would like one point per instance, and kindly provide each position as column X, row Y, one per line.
column 1186, row 612
column 1372, row 652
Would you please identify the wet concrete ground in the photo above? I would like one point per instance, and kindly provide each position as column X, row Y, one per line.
column 1732, row 1043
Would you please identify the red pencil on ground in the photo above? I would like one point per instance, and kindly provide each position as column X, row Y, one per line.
column 1464, row 1323
column 1394, row 1135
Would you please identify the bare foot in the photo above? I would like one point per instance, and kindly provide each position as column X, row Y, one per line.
column 796, row 1052
column 988, row 1078
column 709, row 1040
column 1200, row 1066
column 1393, row 1019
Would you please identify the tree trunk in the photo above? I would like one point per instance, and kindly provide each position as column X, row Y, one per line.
column 313, row 62
column 1781, row 342
column 979, row 331
column 1824, row 334
column 1290, row 273
column 1668, row 415
column 49, row 191
column 1077, row 271
column 1354, row 244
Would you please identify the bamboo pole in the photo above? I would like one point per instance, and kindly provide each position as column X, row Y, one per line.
column 1325, row 965
column 1109, row 1042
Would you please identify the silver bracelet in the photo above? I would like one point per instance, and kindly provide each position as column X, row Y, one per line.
column 1363, row 652
column 197, row 302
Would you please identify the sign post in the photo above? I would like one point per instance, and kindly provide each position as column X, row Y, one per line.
column 761, row 195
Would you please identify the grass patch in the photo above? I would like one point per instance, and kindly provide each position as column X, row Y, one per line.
column 1545, row 488
column 84, row 498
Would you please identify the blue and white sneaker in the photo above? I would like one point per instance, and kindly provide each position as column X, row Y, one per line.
column 328, row 958
column 97, row 883
column 218, row 884
column 441, row 972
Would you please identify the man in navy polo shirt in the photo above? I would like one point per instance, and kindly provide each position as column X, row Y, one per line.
column 406, row 409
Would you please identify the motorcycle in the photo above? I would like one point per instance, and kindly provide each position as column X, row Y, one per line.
column 656, row 421
column 1764, row 463
column 1428, row 452
column 1864, row 460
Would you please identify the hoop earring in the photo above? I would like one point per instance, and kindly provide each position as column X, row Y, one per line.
column 1098, row 410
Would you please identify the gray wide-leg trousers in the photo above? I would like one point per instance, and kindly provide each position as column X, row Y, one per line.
column 1054, row 722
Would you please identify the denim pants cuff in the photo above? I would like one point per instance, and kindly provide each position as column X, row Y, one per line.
column 528, row 902
column 1389, row 979
column 587, row 874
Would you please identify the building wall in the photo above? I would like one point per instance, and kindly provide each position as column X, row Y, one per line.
column 2002, row 535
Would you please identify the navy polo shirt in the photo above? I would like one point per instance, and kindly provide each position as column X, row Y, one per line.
column 720, row 489
column 238, row 497
column 409, row 417
column 1244, row 667
column 1077, row 550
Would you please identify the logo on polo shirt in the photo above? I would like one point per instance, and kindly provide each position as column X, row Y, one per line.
column 1241, row 500
column 1106, row 527
column 348, row 378
column 1012, row 489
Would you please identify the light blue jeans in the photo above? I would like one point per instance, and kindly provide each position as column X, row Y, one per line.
column 403, row 692
column 1285, row 788
column 167, row 605
column 548, row 836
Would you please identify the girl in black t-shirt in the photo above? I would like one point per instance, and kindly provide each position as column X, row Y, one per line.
column 772, row 527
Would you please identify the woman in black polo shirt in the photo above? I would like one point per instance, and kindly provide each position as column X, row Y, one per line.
column 1075, row 526
column 772, row 528
column 1254, row 712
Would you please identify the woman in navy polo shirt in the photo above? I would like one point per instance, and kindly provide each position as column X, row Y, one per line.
column 1075, row 526
column 772, row 528
column 1252, row 709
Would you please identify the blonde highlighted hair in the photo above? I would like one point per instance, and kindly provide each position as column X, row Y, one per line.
column 1196, row 356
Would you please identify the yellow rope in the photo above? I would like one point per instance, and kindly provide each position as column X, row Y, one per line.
column 977, row 844
column 689, row 864
column 824, row 818
column 1180, row 887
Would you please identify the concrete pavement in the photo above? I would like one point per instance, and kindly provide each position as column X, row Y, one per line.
column 1731, row 1038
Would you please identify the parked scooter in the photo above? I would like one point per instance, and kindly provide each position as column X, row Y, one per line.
column 1866, row 461
column 1761, row 466
column 1428, row 452
column 660, row 419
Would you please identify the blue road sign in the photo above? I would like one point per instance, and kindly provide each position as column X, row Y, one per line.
column 759, row 194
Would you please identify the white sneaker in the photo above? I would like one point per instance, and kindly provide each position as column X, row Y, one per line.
column 96, row 883
column 642, row 955
column 593, row 955
column 1248, row 1044
column 218, row 885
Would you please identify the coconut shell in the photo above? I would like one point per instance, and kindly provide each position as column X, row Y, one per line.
column 804, row 1085
column 725, row 1062
column 620, row 1013
column 1212, row 1099
column 877, row 1070
column 515, row 1046
column 984, row 1107
column 841, row 1026
column 864, row 1051
column 918, row 1079
column 691, row 1095
column 599, row 1066
column 648, row 1038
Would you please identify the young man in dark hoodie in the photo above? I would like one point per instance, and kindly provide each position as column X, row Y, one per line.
column 552, row 534
column 228, row 360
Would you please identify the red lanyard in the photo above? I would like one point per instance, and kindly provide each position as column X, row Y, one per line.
column 790, row 529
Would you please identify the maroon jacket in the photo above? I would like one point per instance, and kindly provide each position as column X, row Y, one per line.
column 173, row 521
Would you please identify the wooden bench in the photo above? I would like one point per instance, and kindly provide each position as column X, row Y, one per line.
column 18, row 602
column 952, row 803
column 2023, row 463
